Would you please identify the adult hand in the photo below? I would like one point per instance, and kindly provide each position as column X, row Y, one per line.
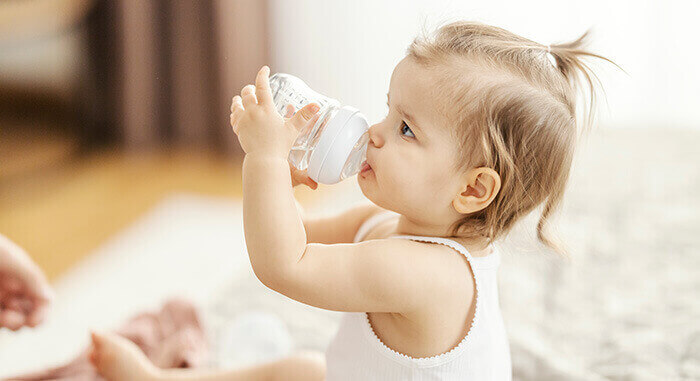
column 25, row 294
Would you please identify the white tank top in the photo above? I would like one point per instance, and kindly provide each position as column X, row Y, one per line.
column 356, row 353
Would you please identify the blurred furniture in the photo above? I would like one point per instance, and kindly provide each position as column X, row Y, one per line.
column 45, row 110
column 144, row 74
column 61, row 214
column 181, row 63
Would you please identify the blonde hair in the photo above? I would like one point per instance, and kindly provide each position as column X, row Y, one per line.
column 515, row 112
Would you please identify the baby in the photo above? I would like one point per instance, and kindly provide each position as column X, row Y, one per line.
column 480, row 130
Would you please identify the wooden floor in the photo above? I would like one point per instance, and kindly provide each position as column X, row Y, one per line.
column 60, row 214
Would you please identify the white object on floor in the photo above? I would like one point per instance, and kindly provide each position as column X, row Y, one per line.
column 187, row 246
column 252, row 337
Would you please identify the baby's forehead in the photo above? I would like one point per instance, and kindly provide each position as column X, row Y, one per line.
column 422, row 92
column 415, row 79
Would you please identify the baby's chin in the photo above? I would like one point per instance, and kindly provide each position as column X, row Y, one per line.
column 371, row 191
column 365, row 188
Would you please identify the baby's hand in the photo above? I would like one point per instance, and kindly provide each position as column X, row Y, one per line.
column 299, row 176
column 260, row 129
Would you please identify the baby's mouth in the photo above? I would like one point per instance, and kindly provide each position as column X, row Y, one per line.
column 365, row 168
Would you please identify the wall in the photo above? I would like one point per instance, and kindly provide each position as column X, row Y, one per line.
column 348, row 49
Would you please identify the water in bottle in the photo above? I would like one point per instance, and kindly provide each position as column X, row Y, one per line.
column 334, row 147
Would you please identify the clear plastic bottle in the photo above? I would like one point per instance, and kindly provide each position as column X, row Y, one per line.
column 335, row 146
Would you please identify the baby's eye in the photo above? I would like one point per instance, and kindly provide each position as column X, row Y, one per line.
column 404, row 126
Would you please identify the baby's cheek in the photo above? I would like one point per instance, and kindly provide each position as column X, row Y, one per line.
column 439, row 182
column 434, row 174
column 420, row 182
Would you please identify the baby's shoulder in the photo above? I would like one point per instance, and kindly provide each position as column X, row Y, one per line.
column 448, row 266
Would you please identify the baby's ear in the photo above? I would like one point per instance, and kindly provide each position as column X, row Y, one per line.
column 479, row 188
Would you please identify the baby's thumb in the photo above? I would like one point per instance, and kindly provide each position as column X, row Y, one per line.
column 303, row 116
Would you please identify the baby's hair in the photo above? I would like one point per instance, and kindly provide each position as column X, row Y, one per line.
column 514, row 111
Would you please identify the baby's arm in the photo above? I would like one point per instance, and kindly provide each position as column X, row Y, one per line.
column 379, row 275
column 339, row 228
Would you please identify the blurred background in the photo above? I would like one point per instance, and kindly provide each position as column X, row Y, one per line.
column 120, row 176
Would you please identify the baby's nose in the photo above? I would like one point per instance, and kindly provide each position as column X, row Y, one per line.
column 374, row 137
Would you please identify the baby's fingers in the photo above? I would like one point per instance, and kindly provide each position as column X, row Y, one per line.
column 290, row 111
column 237, row 110
column 302, row 177
column 262, row 86
column 308, row 114
column 248, row 96
column 306, row 180
column 311, row 184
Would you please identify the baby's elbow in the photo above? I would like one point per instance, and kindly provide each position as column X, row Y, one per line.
column 277, row 272
column 268, row 275
column 261, row 269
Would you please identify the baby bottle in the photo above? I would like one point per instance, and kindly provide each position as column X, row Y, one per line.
column 335, row 146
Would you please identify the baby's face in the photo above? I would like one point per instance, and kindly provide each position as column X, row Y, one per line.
column 412, row 151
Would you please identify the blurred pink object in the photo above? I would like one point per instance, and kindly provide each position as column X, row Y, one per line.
column 25, row 294
column 171, row 338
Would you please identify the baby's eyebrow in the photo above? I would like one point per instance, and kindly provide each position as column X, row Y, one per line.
column 406, row 115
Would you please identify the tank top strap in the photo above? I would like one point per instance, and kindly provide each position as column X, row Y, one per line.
column 372, row 222
column 492, row 260
column 443, row 241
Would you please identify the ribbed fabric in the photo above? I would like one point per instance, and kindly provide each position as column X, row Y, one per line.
column 356, row 353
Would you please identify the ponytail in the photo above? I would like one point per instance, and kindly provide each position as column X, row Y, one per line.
column 568, row 60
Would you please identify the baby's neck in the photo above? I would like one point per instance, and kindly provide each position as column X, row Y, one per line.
column 477, row 246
